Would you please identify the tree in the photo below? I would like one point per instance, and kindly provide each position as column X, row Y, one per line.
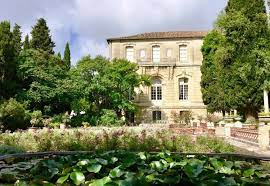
column 7, row 61
column 106, row 84
column 17, row 39
column 243, row 57
column 26, row 44
column 66, row 58
column 41, row 38
column 59, row 55
column 45, row 82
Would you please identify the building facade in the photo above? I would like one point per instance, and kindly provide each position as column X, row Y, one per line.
column 173, row 60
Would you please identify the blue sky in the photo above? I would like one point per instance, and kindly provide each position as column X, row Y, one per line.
column 87, row 23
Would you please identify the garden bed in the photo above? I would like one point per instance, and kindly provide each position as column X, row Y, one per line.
column 113, row 139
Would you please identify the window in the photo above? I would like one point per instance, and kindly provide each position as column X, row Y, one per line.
column 156, row 115
column 156, row 54
column 130, row 53
column 142, row 53
column 183, row 89
column 183, row 55
column 169, row 52
column 156, row 90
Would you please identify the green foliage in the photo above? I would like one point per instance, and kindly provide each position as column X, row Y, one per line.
column 7, row 62
column 109, row 118
column 13, row 115
column 26, row 44
column 41, row 38
column 17, row 39
column 5, row 149
column 141, row 168
column 66, row 59
column 105, row 85
column 108, row 139
column 45, row 82
column 236, row 59
column 36, row 119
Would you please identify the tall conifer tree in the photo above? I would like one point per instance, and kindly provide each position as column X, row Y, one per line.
column 41, row 38
column 26, row 44
column 17, row 39
column 67, row 56
column 7, row 61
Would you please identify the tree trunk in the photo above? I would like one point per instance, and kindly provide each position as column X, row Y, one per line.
column 251, row 114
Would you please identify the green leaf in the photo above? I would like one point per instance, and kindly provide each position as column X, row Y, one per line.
column 116, row 172
column 100, row 182
column 226, row 170
column 83, row 162
column 248, row 173
column 142, row 155
column 62, row 179
column 77, row 177
column 94, row 168
column 102, row 161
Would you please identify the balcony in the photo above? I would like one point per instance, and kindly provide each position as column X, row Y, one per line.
column 163, row 62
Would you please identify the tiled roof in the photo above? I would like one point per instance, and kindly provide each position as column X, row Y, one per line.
column 163, row 35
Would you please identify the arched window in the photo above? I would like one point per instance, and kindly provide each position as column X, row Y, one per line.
column 130, row 53
column 183, row 89
column 183, row 54
column 156, row 54
column 156, row 90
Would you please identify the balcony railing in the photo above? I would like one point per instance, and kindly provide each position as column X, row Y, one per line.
column 161, row 62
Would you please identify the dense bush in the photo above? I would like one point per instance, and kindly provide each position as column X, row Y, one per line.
column 123, row 168
column 13, row 115
column 109, row 118
column 111, row 139
column 5, row 149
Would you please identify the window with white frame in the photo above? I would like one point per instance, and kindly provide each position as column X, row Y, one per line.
column 130, row 53
column 183, row 89
column 142, row 53
column 156, row 54
column 183, row 54
column 156, row 90
column 156, row 115
column 169, row 52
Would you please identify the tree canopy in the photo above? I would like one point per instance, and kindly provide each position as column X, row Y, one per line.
column 238, row 53
column 41, row 38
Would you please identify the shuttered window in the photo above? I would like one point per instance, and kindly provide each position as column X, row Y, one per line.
column 156, row 54
column 130, row 53
column 183, row 54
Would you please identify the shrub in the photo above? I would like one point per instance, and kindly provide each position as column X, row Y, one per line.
column 6, row 149
column 36, row 119
column 183, row 117
column 109, row 118
column 13, row 115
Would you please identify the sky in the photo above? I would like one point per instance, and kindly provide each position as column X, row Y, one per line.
column 86, row 24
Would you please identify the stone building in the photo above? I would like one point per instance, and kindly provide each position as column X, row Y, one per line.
column 173, row 60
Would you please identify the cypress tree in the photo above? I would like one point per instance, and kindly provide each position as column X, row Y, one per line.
column 26, row 44
column 41, row 38
column 59, row 55
column 7, row 61
column 67, row 56
column 17, row 39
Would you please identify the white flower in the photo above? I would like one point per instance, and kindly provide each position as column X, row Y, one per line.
column 82, row 112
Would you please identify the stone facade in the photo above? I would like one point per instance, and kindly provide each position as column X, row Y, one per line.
column 168, row 69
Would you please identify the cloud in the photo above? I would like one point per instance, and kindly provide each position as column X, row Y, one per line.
column 87, row 23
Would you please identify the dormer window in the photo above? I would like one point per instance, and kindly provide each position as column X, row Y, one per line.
column 156, row 54
column 130, row 53
column 183, row 54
